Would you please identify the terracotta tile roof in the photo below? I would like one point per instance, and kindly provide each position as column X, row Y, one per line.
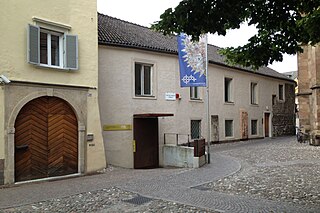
column 116, row 32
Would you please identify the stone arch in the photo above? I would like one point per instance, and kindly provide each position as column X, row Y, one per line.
column 9, row 152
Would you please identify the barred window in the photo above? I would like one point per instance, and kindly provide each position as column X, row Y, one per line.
column 195, row 129
column 229, row 128
column 254, row 127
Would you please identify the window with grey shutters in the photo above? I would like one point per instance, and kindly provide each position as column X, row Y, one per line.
column 52, row 49
column 71, row 51
column 33, row 44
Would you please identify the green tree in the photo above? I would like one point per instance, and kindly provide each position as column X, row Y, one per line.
column 284, row 26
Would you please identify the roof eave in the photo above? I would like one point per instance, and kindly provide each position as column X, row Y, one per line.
column 176, row 53
column 248, row 71
column 137, row 47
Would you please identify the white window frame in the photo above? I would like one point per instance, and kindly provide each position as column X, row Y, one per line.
column 225, row 129
column 195, row 93
column 283, row 92
column 230, row 90
column 257, row 127
column 61, row 51
column 142, row 94
column 254, row 98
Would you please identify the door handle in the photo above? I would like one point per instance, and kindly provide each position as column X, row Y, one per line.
column 22, row 147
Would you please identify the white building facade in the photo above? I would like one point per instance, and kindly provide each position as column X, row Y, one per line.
column 140, row 87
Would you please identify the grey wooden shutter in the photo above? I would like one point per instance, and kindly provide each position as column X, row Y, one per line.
column 71, row 52
column 33, row 45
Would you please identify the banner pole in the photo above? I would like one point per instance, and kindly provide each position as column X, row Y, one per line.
column 207, row 103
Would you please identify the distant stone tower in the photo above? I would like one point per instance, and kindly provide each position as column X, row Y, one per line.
column 309, row 90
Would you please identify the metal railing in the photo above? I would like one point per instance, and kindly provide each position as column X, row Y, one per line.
column 177, row 138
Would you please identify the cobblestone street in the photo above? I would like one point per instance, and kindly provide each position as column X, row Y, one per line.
column 276, row 170
column 269, row 175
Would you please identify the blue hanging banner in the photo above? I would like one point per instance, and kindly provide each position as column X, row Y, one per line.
column 192, row 61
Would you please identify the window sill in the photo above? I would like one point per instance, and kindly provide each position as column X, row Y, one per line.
column 145, row 97
column 229, row 137
column 229, row 103
column 53, row 67
column 196, row 100
column 254, row 105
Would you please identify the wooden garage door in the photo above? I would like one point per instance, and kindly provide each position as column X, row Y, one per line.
column 46, row 140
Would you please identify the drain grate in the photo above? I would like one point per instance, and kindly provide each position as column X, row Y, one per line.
column 202, row 188
column 139, row 200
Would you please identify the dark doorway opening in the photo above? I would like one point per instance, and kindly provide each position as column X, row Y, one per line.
column 146, row 137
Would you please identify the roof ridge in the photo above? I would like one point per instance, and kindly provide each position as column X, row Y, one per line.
column 145, row 38
column 149, row 28
column 118, row 19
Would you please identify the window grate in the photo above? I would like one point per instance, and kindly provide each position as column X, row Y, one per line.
column 195, row 129
column 254, row 127
column 139, row 200
column 229, row 128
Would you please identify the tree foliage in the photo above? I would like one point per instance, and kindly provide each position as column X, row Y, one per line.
column 284, row 26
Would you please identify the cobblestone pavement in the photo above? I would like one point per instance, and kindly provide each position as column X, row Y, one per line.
column 276, row 169
column 270, row 175
column 106, row 200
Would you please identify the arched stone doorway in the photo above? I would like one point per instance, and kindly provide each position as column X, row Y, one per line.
column 46, row 139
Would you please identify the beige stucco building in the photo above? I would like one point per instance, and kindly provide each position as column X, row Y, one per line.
column 139, row 80
column 49, row 114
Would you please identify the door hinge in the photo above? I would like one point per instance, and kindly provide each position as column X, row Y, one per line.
column 134, row 146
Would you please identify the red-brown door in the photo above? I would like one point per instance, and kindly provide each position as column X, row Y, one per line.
column 244, row 125
column 46, row 140
column 266, row 124
column 146, row 138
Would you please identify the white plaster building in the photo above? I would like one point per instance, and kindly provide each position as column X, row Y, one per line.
column 139, row 70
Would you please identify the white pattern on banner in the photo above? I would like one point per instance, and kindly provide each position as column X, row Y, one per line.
column 186, row 79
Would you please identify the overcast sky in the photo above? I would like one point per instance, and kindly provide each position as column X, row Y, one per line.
column 145, row 12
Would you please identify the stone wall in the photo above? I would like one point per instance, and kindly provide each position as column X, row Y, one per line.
column 304, row 91
column 283, row 119
column 309, row 86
